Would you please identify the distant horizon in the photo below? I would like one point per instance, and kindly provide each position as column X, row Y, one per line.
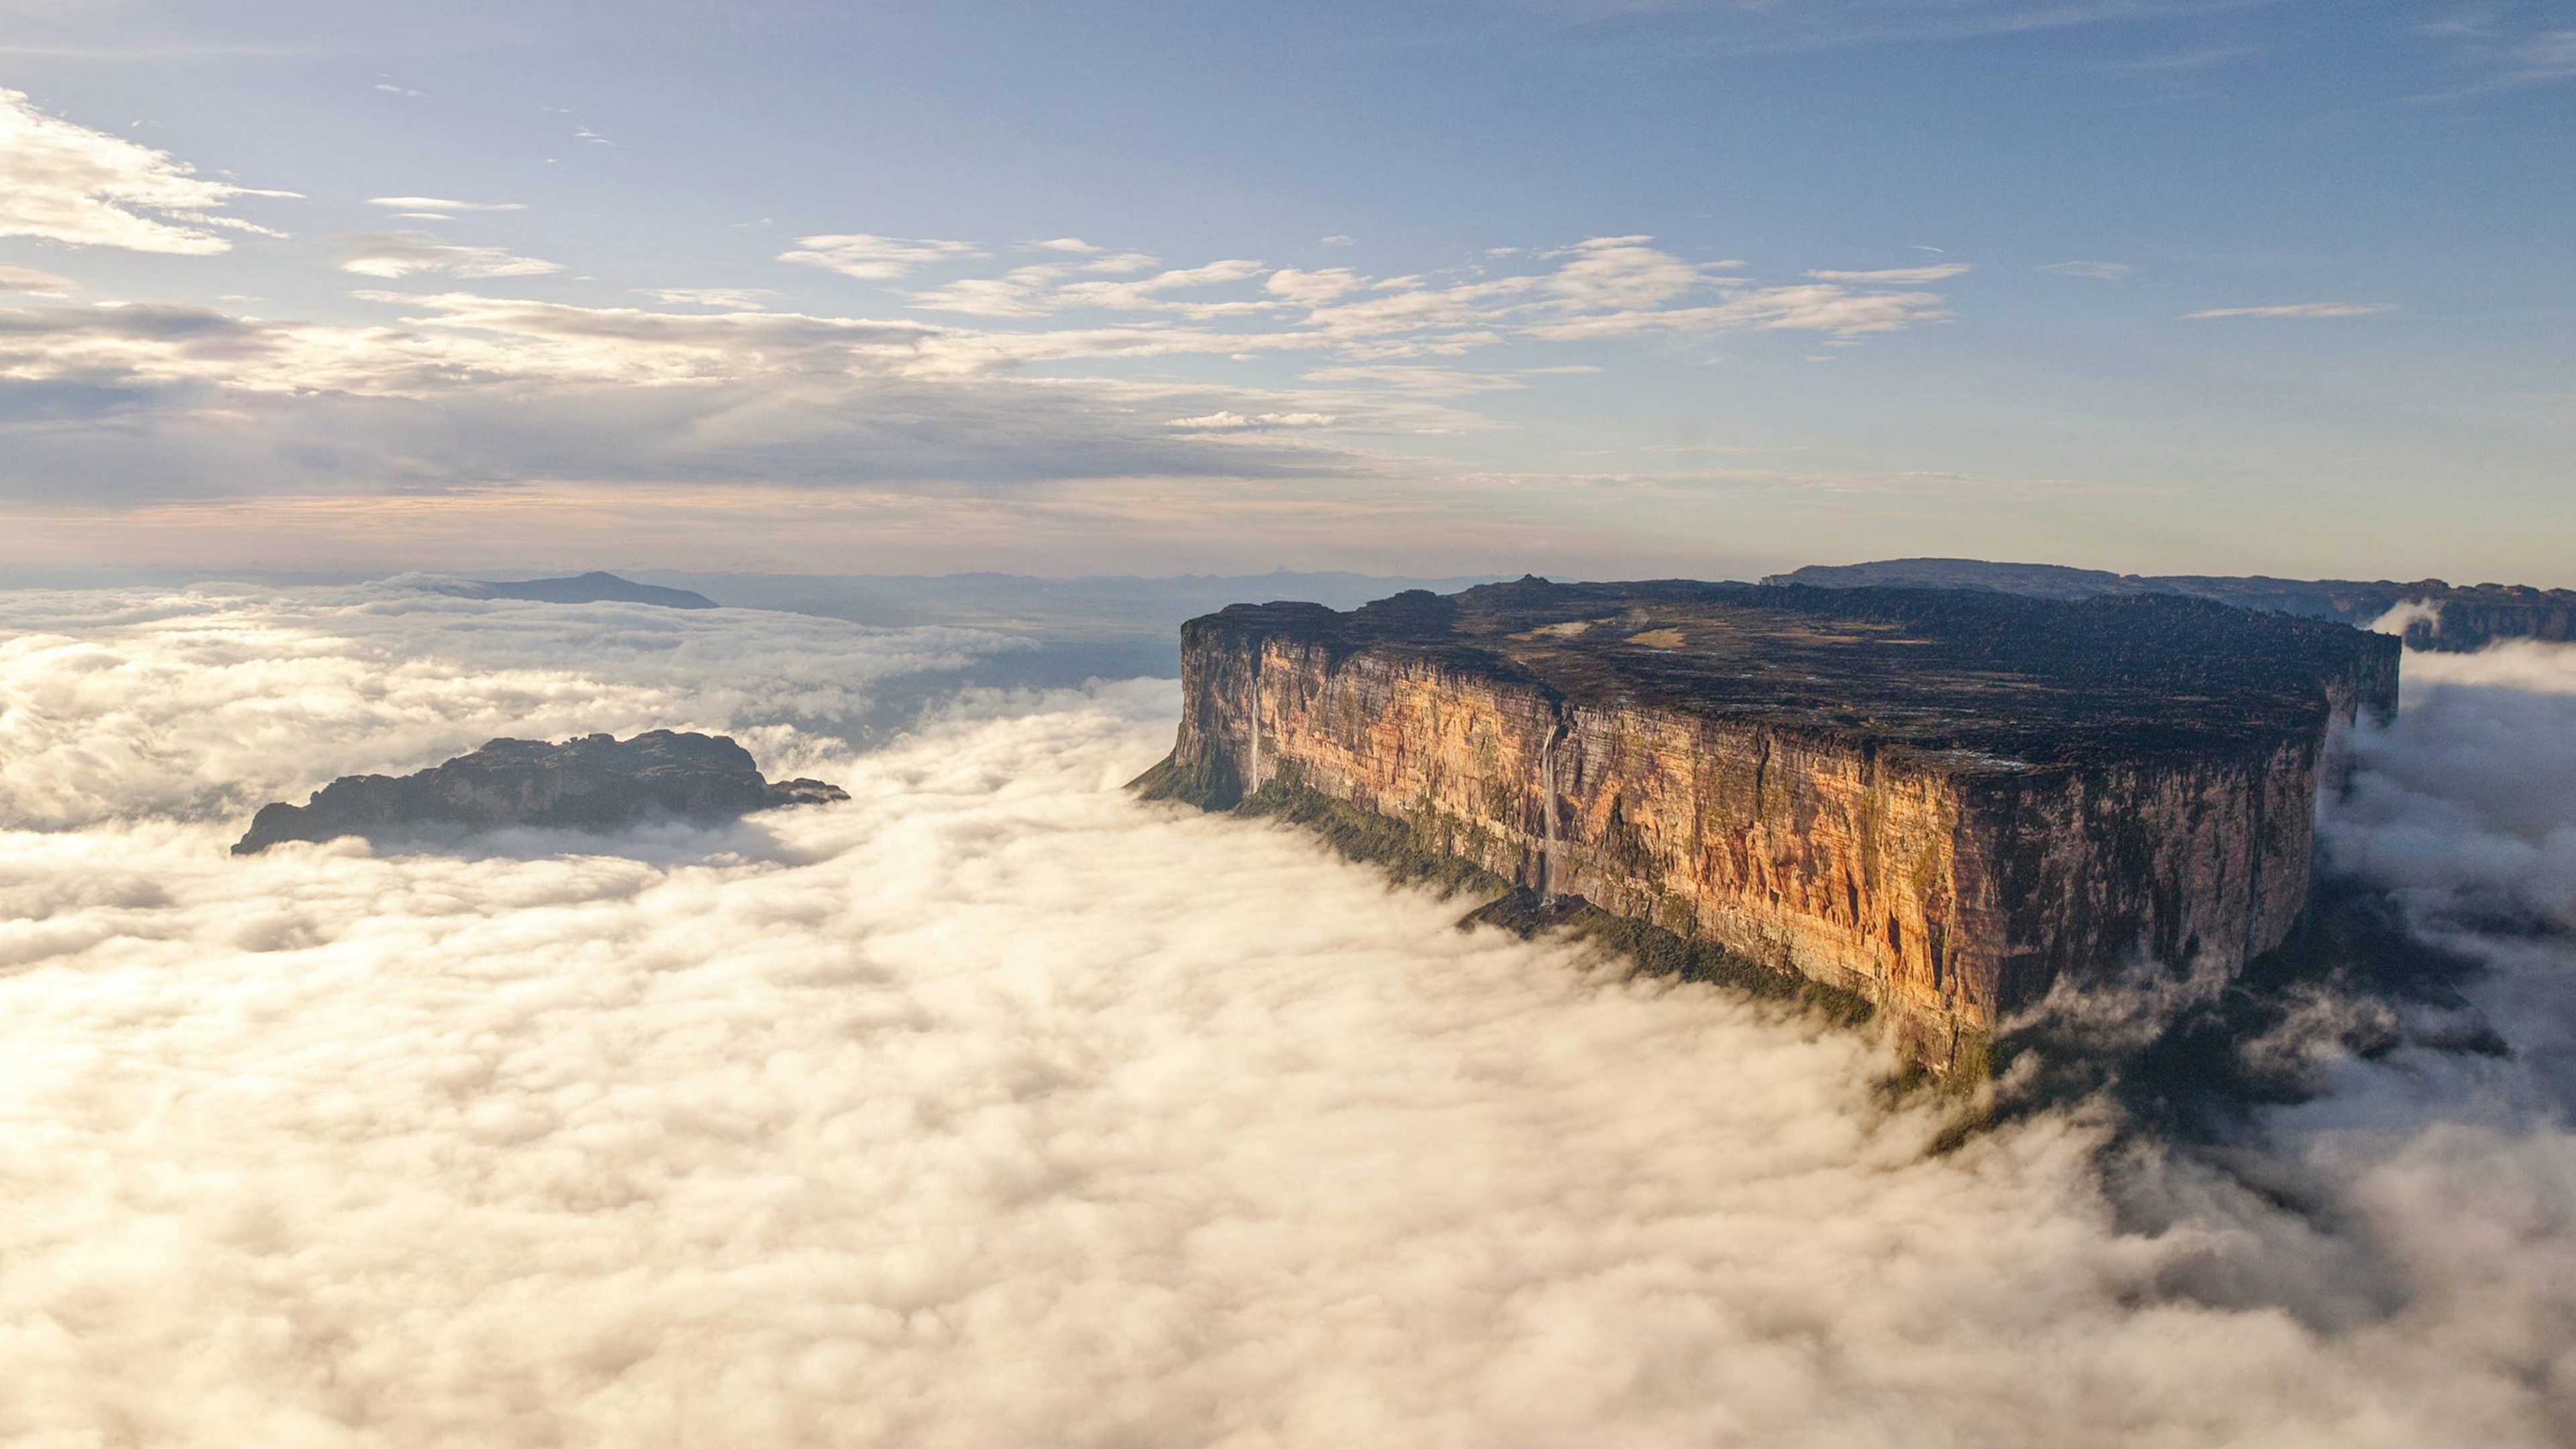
column 644, row 573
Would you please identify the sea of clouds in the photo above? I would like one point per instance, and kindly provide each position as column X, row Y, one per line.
column 995, row 1108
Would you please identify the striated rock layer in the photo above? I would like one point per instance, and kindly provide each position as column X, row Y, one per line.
column 1945, row 802
column 595, row 782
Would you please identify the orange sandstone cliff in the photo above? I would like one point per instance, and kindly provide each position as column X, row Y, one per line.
column 1945, row 803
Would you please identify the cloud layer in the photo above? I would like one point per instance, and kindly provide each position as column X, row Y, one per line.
column 992, row 1107
column 1083, row 355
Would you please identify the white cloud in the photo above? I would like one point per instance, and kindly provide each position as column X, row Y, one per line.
column 2094, row 271
column 1120, row 263
column 1897, row 276
column 1419, row 381
column 29, row 280
column 739, row 299
column 584, row 133
column 1310, row 289
column 500, row 388
column 389, row 88
column 391, row 254
column 1624, row 272
column 2295, row 309
column 465, row 389
column 440, row 203
column 1144, row 293
column 1061, row 244
column 1232, row 422
column 67, row 183
column 1334, row 241
column 994, row 1108
column 1021, row 292
column 874, row 258
column 1820, row 307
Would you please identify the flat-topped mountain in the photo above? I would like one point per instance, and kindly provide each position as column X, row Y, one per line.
column 596, row 782
column 594, row 588
column 1943, row 801
column 2440, row 615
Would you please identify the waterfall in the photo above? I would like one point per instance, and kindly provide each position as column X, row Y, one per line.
column 1252, row 777
column 1547, row 866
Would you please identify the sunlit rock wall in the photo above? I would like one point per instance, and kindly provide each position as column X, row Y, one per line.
column 1948, row 892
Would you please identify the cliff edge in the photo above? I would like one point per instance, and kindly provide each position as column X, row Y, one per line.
column 1943, row 802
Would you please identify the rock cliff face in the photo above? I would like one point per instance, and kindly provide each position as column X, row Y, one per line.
column 1944, row 802
column 2438, row 616
column 592, row 783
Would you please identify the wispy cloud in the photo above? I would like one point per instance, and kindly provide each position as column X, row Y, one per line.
column 2197, row 59
column 32, row 282
column 2504, row 52
column 1313, row 288
column 389, row 88
column 67, row 183
column 441, row 203
column 743, row 299
column 1757, row 29
column 873, row 258
column 1419, row 381
column 1897, row 276
column 2094, row 271
column 391, row 254
column 1233, row 422
column 2294, row 310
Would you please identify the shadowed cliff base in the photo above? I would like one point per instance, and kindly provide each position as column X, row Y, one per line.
column 2189, row 1059
column 2196, row 1056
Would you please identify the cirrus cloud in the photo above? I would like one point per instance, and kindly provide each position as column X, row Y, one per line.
column 873, row 258
column 67, row 183
column 393, row 254
column 2295, row 310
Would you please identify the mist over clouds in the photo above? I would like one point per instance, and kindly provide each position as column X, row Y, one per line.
column 211, row 701
column 992, row 1107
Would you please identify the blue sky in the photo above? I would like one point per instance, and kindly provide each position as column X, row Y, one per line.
column 1602, row 289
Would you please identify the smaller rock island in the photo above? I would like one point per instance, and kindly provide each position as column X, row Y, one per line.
column 596, row 782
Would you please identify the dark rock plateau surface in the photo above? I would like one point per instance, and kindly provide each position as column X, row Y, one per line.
column 593, row 783
column 2452, row 618
column 1942, row 803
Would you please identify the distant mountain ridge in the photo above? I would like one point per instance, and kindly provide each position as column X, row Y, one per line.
column 595, row 587
column 2440, row 615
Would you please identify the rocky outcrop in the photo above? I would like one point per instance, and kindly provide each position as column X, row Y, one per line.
column 593, row 783
column 2431, row 614
column 1946, row 803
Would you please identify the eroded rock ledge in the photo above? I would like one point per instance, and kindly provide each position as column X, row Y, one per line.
column 1943, row 803
column 595, row 782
